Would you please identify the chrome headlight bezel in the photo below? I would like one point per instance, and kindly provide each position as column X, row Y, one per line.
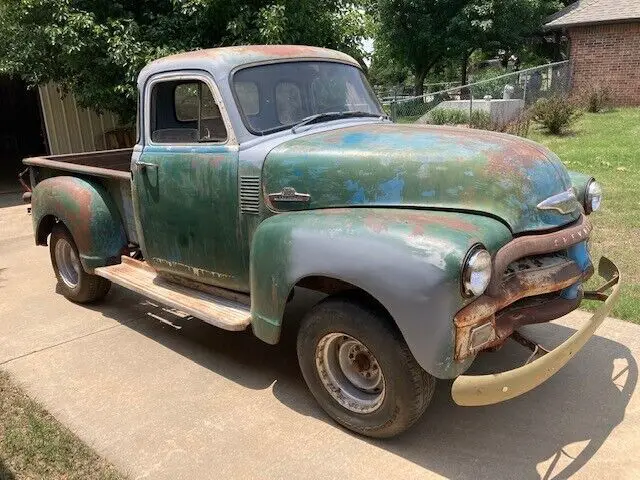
column 476, row 271
column 592, row 197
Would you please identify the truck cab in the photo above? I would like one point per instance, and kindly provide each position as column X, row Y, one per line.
column 260, row 169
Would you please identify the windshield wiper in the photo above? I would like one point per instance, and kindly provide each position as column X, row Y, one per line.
column 345, row 114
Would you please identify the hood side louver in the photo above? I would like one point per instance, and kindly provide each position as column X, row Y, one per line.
column 250, row 195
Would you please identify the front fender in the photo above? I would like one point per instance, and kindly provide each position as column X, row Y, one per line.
column 89, row 213
column 409, row 260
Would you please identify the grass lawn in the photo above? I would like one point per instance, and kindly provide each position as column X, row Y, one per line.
column 607, row 146
column 34, row 445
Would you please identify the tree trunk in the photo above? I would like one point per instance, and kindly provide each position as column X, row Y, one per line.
column 418, row 86
column 465, row 93
column 464, row 69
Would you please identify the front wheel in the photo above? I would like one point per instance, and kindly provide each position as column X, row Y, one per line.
column 74, row 283
column 360, row 370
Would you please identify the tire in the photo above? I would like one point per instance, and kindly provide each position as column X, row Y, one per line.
column 74, row 283
column 329, row 334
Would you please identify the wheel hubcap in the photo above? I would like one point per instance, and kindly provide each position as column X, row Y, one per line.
column 68, row 263
column 350, row 373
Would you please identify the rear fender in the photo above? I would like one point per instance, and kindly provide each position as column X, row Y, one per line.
column 87, row 210
column 408, row 260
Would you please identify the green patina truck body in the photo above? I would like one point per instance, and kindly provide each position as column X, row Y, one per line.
column 262, row 170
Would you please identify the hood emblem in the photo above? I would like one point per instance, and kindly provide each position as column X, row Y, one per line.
column 564, row 202
column 289, row 194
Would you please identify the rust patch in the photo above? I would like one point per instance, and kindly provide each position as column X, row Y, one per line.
column 75, row 201
column 217, row 160
column 244, row 54
column 452, row 222
column 519, row 285
column 532, row 310
column 376, row 223
column 536, row 245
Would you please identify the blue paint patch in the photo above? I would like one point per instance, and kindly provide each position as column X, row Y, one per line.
column 572, row 292
column 580, row 254
column 359, row 196
column 391, row 190
column 353, row 139
column 429, row 193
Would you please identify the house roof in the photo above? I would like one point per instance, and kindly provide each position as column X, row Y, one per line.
column 589, row 12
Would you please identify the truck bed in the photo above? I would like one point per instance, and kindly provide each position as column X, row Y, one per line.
column 110, row 167
column 106, row 163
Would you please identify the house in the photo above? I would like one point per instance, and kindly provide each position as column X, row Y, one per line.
column 604, row 39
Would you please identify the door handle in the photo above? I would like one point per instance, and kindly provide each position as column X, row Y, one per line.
column 144, row 165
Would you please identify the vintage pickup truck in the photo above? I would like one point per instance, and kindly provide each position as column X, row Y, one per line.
column 259, row 169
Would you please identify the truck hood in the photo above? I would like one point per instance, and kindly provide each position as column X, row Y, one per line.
column 419, row 166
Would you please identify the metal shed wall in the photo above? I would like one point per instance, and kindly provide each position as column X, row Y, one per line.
column 72, row 129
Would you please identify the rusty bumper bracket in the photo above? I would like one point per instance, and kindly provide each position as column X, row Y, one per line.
column 535, row 348
column 477, row 390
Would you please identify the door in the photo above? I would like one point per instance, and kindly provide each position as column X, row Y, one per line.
column 185, row 184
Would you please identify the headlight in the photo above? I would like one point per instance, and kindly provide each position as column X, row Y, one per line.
column 476, row 273
column 592, row 197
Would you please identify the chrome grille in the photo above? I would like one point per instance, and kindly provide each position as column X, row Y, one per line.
column 536, row 262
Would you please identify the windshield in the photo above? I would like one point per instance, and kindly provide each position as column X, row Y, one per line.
column 279, row 95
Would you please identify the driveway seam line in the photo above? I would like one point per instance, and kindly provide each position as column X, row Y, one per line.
column 48, row 347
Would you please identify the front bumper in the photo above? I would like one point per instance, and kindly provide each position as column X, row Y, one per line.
column 477, row 390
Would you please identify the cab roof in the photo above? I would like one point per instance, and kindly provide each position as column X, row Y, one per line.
column 221, row 61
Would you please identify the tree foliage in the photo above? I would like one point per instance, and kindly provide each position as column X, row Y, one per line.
column 385, row 69
column 417, row 32
column 95, row 48
column 424, row 34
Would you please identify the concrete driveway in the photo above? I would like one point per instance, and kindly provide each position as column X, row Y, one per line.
column 168, row 397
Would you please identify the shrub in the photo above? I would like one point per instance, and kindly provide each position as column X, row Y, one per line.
column 481, row 119
column 555, row 114
column 446, row 116
column 519, row 127
column 595, row 98
column 477, row 119
column 411, row 107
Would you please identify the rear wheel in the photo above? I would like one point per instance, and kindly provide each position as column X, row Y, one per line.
column 74, row 283
column 360, row 370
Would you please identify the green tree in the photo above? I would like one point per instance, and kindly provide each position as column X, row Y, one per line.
column 417, row 33
column 492, row 25
column 95, row 48
column 385, row 69
column 424, row 35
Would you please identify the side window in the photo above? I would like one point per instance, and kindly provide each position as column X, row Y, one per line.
column 289, row 103
column 186, row 100
column 185, row 112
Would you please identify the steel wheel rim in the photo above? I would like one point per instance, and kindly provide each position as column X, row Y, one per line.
column 68, row 263
column 350, row 373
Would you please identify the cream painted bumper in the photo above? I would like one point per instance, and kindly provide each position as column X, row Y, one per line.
column 477, row 390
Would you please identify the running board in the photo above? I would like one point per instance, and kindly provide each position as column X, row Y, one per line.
column 141, row 278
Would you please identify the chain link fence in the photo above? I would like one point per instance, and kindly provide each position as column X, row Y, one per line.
column 393, row 93
column 498, row 103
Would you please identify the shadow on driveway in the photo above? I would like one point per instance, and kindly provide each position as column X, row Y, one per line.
column 577, row 408
column 5, row 473
column 11, row 199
